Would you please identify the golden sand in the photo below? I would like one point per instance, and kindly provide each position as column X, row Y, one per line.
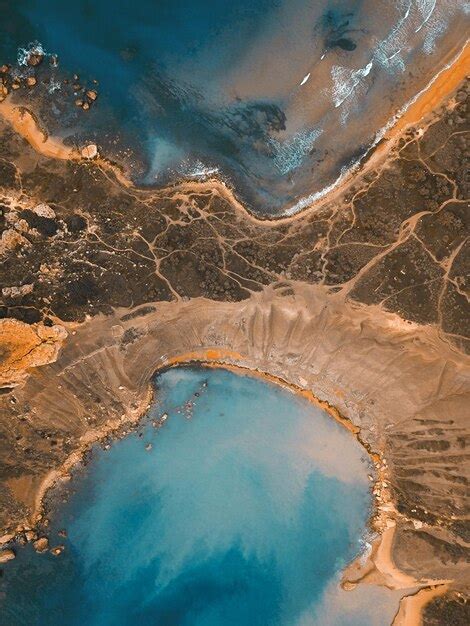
column 25, row 123
column 411, row 608
column 444, row 84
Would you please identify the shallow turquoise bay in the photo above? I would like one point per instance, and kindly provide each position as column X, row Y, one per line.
column 244, row 511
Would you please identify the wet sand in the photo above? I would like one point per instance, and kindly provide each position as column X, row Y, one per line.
column 456, row 68
column 412, row 606
column 26, row 124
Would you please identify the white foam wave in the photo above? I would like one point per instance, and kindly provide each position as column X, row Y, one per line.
column 289, row 155
column 197, row 169
column 54, row 85
column 389, row 53
column 347, row 171
column 346, row 81
column 34, row 47
column 426, row 7
column 303, row 203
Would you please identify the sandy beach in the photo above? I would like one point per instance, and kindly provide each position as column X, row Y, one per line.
column 26, row 124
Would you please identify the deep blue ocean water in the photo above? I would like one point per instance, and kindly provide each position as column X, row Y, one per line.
column 244, row 511
column 277, row 96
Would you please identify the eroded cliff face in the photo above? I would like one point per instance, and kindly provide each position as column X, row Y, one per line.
column 362, row 300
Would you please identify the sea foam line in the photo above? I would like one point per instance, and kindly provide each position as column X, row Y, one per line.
column 304, row 203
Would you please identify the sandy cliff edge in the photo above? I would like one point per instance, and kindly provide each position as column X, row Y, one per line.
column 366, row 363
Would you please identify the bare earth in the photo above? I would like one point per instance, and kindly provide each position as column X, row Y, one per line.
column 360, row 302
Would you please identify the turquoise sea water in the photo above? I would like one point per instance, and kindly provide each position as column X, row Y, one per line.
column 277, row 96
column 244, row 512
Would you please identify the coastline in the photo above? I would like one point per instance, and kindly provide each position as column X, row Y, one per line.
column 114, row 428
column 445, row 82
column 412, row 606
column 420, row 106
column 27, row 124
column 260, row 336
column 206, row 358
column 378, row 567
column 383, row 554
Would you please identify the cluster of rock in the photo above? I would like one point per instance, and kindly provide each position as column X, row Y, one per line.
column 12, row 79
column 23, row 536
column 84, row 97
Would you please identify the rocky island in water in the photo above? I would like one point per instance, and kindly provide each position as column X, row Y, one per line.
column 235, row 325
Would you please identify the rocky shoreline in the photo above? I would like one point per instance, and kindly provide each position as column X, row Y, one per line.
column 360, row 302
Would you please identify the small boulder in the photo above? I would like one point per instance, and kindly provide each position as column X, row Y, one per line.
column 30, row 535
column 44, row 210
column 348, row 585
column 35, row 58
column 90, row 151
column 41, row 544
column 92, row 94
column 6, row 538
column 6, row 555
column 31, row 81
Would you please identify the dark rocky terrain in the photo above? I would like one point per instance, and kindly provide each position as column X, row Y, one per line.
column 397, row 239
column 77, row 243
